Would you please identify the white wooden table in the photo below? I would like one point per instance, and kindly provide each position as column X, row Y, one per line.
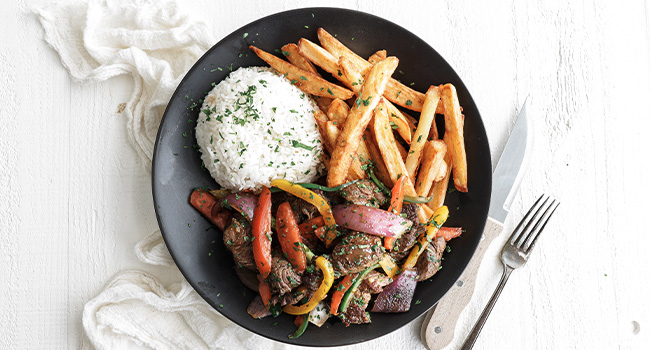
column 74, row 198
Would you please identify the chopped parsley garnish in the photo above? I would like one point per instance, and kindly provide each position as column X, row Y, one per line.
column 297, row 144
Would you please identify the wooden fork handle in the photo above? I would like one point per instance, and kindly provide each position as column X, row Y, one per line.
column 439, row 325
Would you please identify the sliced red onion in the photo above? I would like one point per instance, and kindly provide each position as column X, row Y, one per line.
column 370, row 220
column 397, row 296
column 243, row 202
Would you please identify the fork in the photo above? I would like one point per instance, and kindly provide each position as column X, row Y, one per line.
column 514, row 255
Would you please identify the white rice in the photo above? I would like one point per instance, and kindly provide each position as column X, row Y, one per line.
column 254, row 127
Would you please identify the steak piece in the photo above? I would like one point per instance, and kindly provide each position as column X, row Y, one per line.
column 375, row 282
column 302, row 210
column 355, row 252
column 283, row 278
column 238, row 239
column 403, row 245
column 356, row 312
column 257, row 309
column 364, row 192
column 430, row 259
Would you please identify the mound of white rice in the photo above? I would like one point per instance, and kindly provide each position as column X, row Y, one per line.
column 254, row 127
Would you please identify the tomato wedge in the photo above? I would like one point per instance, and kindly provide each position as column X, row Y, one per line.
column 289, row 237
column 340, row 290
column 396, row 200
column 262, row 232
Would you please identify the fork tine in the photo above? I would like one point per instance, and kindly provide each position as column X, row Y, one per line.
column 515, row 234
column 525, row 234
column 546, row 219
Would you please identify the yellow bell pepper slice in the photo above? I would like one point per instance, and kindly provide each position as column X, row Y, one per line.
column 320, row 294
column 314, row 199
column 388, row 264
column 437, row 219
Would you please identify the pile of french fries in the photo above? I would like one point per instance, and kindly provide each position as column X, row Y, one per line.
column 360, row 123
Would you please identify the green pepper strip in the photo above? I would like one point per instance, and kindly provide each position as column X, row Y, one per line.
column 301, row 329
column 380, row 184
column 348, row 295
column 417, row 200
column 327, row 189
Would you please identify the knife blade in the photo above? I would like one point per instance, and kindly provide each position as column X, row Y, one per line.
column 439, row 325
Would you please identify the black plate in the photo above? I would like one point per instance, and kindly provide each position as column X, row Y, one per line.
column 197, row 247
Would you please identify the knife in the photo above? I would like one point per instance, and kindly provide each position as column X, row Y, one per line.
column 440, row 323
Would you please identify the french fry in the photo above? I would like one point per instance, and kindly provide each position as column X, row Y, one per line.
column 454, row 136
column 321, row 121
column 304, row 80
column 355, row 171
column 439, row 188
column 393, row 160
column 292, row 52
column 389, row 152
column 321, row 57
column 432, row 161
column 377, row 57
column 442, row 171
column 358, row 119
column 338, row 112
column 395, row 91
column 402, row 151
column 422, row 132
column 375, row 156
column 398, row 121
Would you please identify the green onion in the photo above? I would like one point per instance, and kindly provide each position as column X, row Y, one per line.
column 374, row 179
column 357, row 281
column 301, row 329
column 327, row 189
column 418, row 200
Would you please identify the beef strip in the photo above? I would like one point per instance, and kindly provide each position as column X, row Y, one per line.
column 283, row 278
column 356, row 312
column 257, row 309
column 375, row 282
column 302, row 210
column 289, row 298
column 355, row 252
column 403, row 245
column 429, row 261
column 237, row 238
column 364, row 192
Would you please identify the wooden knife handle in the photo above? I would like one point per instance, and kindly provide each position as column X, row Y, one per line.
column 439, row 326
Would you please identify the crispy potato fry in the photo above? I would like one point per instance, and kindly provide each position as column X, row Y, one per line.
column 321, row 121
column 454, row 137
column 338, row 112
column 439, row 189
column 397, row 119
column 402, row 151
column 375, row 156
column 355, row 171
column 377, row 57
column 321, row 57
column 292, row 52
column 389, row 152
column 304, row 80
column 442, row 170
column 422, row 131
column 432, row 161
column 358, row 119
column 395, row 91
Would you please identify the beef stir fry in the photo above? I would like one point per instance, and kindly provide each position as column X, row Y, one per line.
column 322, row 252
